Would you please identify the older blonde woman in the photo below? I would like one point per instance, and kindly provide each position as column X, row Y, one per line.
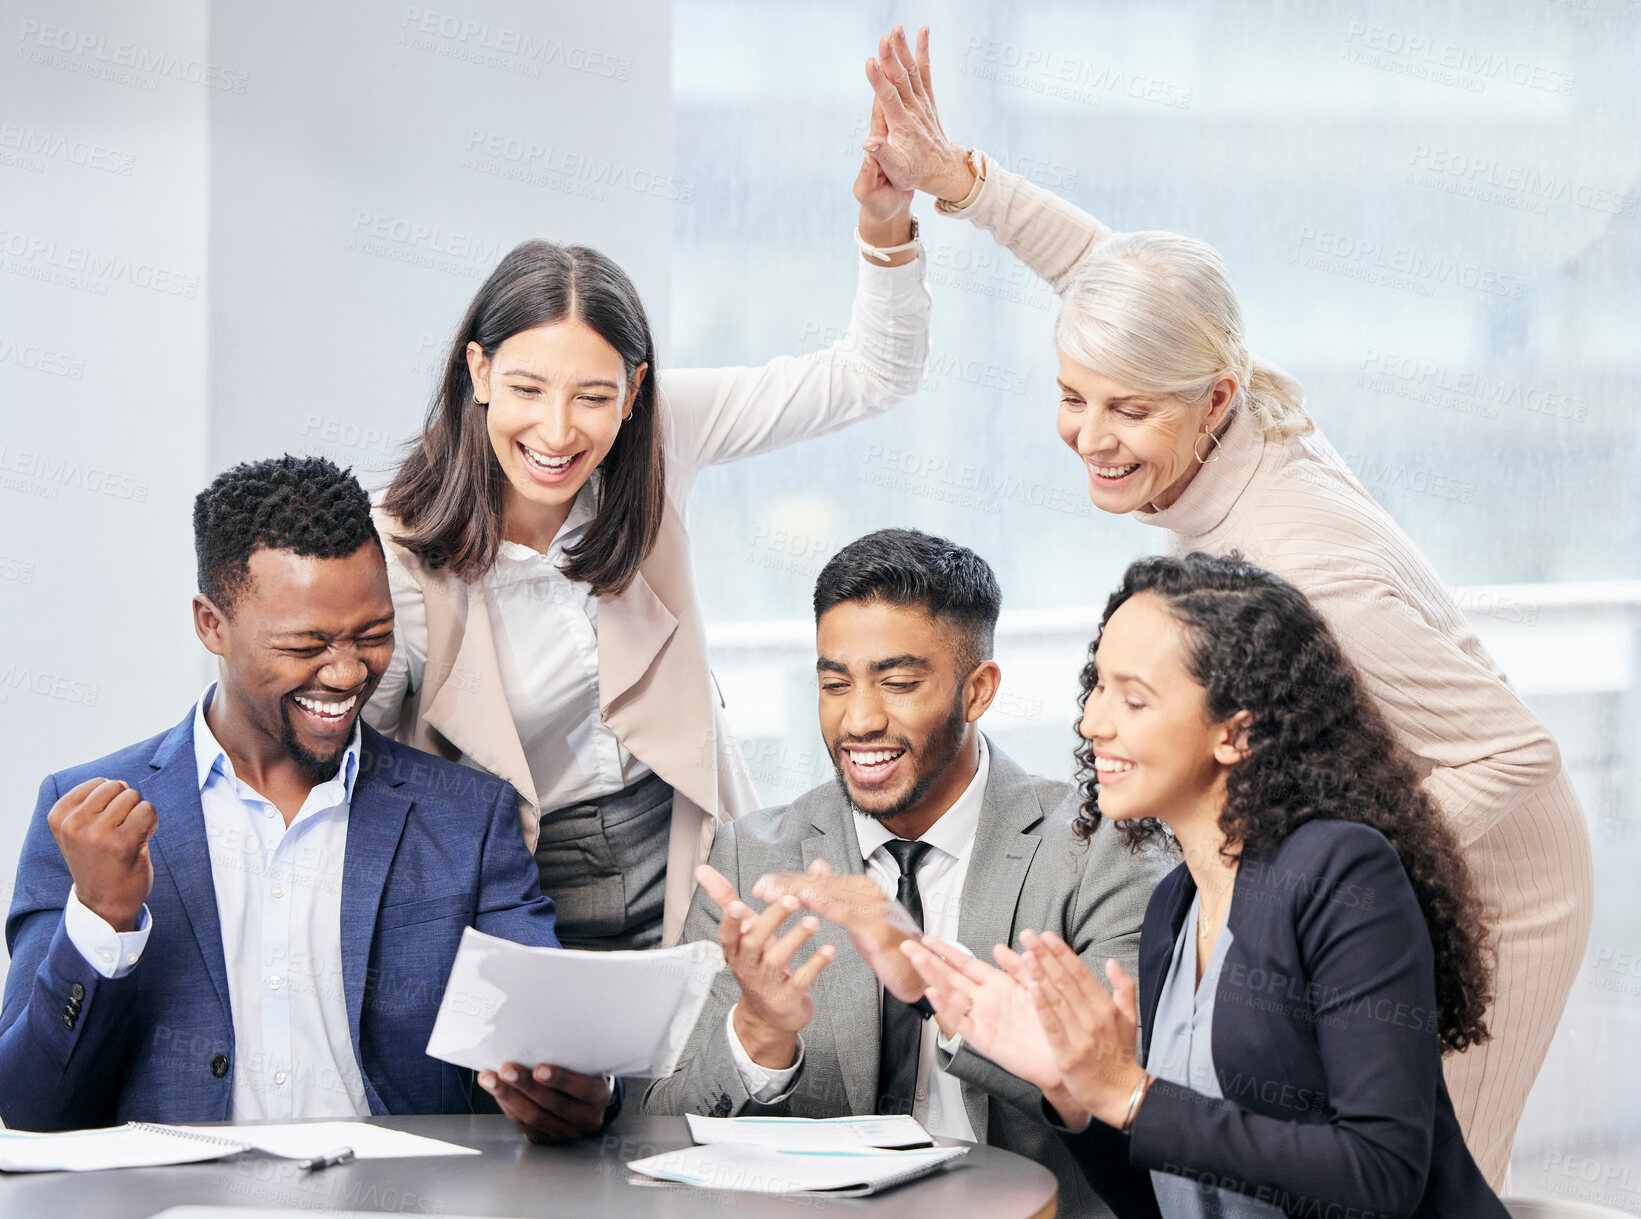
column 1181, row 427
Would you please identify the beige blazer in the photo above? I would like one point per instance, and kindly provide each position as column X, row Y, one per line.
column 656, row 691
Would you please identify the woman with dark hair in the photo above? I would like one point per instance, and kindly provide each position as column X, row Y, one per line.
column 1304, row 969
column 548, row 627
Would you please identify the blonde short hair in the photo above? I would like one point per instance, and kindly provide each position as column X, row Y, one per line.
column 1156, row 311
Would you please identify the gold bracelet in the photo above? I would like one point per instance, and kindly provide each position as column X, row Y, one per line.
column 1133, row 1112
column 975, row 167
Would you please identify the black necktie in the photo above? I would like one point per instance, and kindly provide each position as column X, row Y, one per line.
column 902, row 1032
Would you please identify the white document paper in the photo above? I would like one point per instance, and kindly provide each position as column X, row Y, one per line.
column 150, row 1144
column 300, row 1140
column 764, row 1170
column 811, row 1134
column 239, row 1212
column 621, row 1013
column 131, row 1146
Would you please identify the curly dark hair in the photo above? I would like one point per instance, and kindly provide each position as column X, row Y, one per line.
column 1319, row 749
column 302, row 504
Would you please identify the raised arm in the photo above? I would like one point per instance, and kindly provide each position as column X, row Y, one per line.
column 716, row 415
column 1042, row 230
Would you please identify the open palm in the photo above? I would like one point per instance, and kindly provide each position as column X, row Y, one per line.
column 990, row 1009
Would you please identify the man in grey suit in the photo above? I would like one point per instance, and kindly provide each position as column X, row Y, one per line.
column 929, row 827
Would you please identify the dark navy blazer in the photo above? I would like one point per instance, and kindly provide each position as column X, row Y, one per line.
column 1326, row 1044
column 432, row 847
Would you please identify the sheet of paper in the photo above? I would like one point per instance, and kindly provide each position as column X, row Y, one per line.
column 625, row 1013
column 811, row 1134
column 764, row 1170
column 299, row 1140
column 239, row 1212
column 90, row 1150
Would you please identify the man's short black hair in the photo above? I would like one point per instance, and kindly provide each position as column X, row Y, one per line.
column 302, row 504
column 904, row 567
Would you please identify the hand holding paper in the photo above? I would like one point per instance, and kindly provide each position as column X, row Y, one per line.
column 549, row 1104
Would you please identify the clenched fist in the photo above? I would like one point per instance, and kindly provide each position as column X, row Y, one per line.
column 102, row 828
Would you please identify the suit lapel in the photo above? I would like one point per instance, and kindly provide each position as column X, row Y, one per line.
column 1004, row 844
column 848, row 992
column 180, row 848
column 1157, row 937
column 376, row 821
column 470, row 707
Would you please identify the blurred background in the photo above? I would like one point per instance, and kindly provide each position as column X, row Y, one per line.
column 228, row 232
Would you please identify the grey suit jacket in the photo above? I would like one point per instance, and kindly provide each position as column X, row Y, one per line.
column 1026, row 870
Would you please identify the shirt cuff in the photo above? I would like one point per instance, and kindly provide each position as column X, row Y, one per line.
column 111, row 953
column 766, row 1084
column 893, row 285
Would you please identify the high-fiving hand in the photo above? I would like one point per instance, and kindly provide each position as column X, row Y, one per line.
column 912, row 150
column 775, row 1002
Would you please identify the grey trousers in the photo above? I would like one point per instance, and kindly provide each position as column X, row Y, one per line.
column 604, row 864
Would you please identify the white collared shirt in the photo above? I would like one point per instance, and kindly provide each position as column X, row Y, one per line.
column 279, row 900
column 546, row 631
column 938, row 1101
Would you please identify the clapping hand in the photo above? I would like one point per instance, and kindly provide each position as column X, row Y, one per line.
column 775, row 1002
column 877, row 925
column 1090, row 1032
column 990, row 1008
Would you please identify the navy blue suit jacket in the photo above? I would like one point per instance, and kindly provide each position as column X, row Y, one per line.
column 432, row 848
column 1325, row 1042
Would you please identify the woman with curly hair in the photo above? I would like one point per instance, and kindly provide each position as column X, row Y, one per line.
column 1304, row 969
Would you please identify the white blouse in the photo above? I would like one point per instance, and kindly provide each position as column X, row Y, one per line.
column 546, row 626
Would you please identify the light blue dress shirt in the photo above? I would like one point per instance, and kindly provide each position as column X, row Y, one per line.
column 1182, row 1052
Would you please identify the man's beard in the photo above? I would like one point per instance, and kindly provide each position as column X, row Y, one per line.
column 941, row 749
column 314, row 766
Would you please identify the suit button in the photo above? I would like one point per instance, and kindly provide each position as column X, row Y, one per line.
column 76, row 992
column 68, row 1020
column 219, row 1065
column 73, row 1008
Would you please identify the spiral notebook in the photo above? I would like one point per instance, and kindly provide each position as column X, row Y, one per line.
column 149, row 1144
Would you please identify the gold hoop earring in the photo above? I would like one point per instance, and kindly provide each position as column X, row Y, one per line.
column 1202, row 461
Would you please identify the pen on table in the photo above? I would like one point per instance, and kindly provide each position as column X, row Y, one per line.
column 329, row 1160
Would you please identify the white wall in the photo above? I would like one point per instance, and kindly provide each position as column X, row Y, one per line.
column 103, row 407
column 335, row 181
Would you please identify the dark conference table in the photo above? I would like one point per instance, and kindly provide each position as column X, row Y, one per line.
column 513, row 1178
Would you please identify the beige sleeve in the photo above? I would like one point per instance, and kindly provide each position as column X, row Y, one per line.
column 1483, row 749
column 1042, row 230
